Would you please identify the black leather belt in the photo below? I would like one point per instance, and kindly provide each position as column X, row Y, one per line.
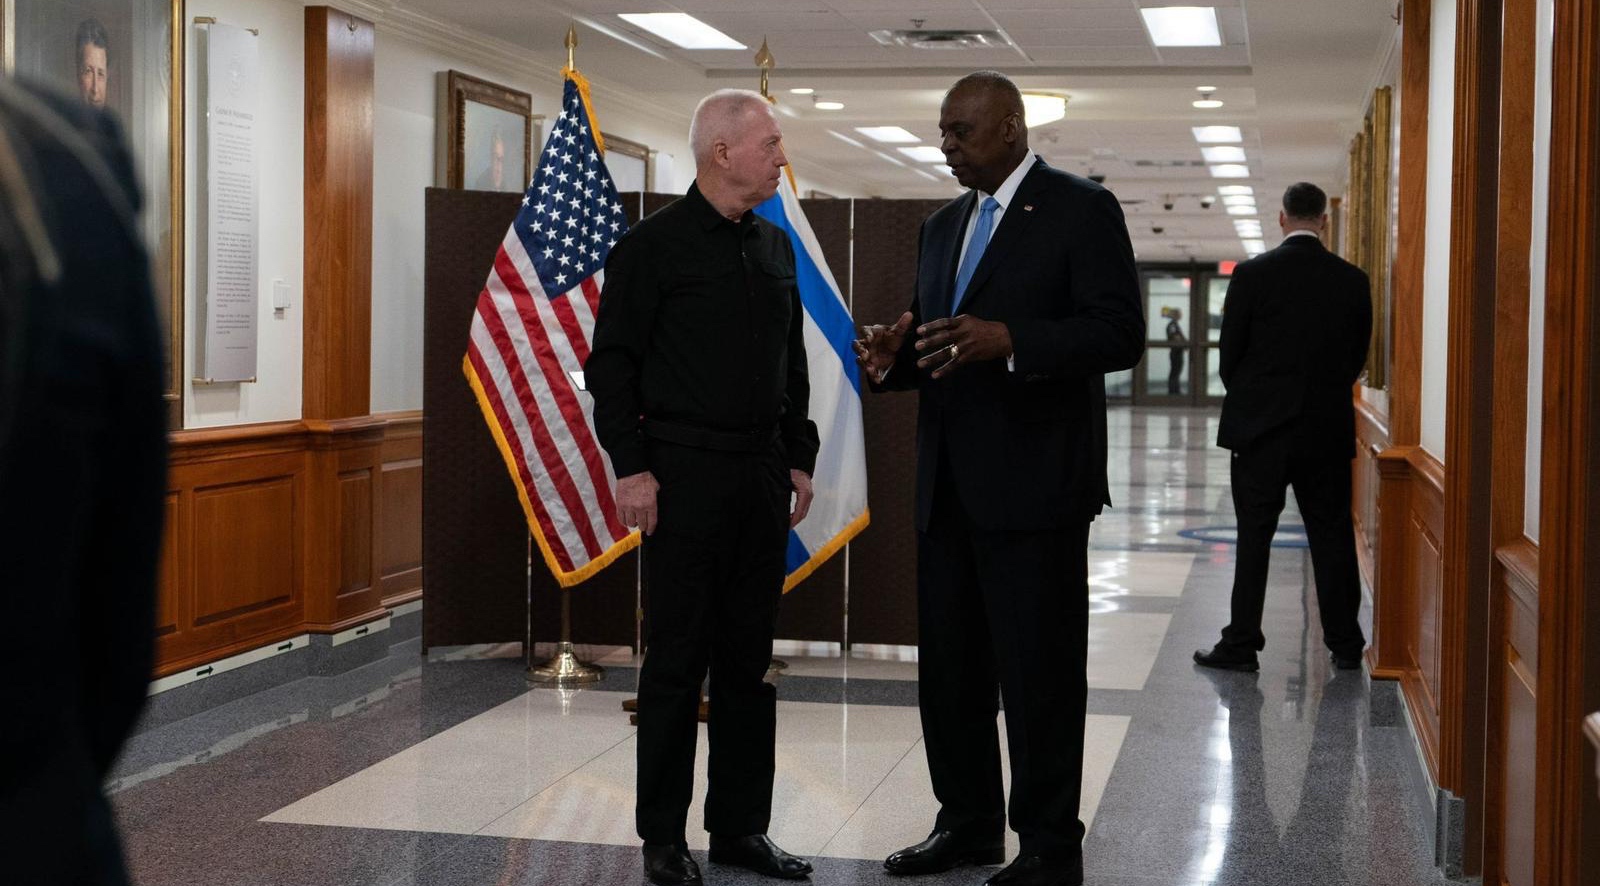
column 706, row 438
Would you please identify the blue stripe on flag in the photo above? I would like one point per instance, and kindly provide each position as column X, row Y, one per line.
column 816, row 295
column 797, row 555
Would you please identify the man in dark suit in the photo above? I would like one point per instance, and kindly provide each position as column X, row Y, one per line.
column 1294, row 340
column 1026, row 296
column 82, row 477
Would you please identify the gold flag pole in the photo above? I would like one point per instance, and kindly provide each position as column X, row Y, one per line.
column 766, row 63
column 564, row 669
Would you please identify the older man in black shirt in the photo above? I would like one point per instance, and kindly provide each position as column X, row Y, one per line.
column 699, row 378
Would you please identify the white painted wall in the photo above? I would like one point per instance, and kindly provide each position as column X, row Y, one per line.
column 405, row 132
column 1436, row 252
column 1544, row 38
column 275, row 395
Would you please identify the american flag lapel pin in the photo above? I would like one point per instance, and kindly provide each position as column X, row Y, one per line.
column 1027, row 207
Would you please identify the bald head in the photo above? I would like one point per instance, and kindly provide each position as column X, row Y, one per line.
column 995, row 88
column 982, row 128
column 738, row 150
column 721, row 117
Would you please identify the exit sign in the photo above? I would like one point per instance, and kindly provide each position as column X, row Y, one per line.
column 1225, row 268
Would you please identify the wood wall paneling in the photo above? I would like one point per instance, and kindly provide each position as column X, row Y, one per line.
column 1424, row 632
column 1467, row 540
column 338, row 214
column 1405, row 382
column 271, row 533
column 400, row 517
column 1393, row 621
column 1567, row 833
column 1512, row 645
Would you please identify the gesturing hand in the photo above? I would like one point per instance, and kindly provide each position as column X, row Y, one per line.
column 878, row 345
column 636, row 500
column 802, row 496
column 950, row 342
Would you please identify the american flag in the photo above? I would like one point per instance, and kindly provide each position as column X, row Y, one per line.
column 530, row 338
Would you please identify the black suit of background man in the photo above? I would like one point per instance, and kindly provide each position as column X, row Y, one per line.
column 1011, row 469
column 1294, row 340
column 82, row 477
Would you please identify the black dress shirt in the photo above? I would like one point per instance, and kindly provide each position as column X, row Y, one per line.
column 700, row 326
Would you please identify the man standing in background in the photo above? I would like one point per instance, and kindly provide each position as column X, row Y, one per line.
column 1294, row 341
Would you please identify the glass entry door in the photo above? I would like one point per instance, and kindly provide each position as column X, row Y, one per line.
column 1183, row 321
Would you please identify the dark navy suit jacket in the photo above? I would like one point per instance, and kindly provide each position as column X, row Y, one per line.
column 1027, row 448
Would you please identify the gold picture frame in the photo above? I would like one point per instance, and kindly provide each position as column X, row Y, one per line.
column 1369, row 244
column 619, row 146
column 480, row 141
column 135, row 70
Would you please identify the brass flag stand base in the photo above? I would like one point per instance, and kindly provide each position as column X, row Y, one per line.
column 564, row 670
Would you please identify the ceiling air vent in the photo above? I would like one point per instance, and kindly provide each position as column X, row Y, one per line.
column 920, row 39
column 1169, row 164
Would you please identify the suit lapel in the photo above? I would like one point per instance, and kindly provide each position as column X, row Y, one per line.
column 948, row 252
column 1019, row 215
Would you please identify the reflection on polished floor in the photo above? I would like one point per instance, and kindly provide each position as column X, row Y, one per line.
column 451, row 771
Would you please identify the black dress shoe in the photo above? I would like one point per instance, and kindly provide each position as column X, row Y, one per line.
column 759, row 854
column 1227, row 659
column 670, row 864
column 1347, row 662
column 942, row 851
column 1036, row 870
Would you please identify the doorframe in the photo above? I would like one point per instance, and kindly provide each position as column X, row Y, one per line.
column 1200, row 345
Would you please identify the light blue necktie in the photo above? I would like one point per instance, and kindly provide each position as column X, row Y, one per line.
column 981, row 230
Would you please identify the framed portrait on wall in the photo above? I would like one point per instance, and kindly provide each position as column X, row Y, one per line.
column 629, row 164
column 489, row 135
column 125, row 57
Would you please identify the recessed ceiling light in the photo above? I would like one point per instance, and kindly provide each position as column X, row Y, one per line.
column 682, row 29
column 1238, row 200
column 1223, row 154
column 890, row 134
column 1246, row 224
column 1254, row 246
column 846, row 139
column 1242, row 210
column 1040, row 108
column 828, row 106
column 1182, row 26
column 801, row 90
column 1235, row 190
column 1207, row 90
column 924, row 154
column 1230, row 170
column 1211, row 135
column 1206, row 104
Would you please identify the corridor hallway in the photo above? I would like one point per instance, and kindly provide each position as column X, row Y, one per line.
column 450, row 770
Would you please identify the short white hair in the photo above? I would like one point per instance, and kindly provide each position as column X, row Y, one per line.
column 718, row 117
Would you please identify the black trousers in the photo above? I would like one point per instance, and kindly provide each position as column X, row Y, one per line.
column 1003, row 612
column 713, row 575
column 1261, row 473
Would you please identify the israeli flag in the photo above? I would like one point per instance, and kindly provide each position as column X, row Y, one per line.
column 839, row 510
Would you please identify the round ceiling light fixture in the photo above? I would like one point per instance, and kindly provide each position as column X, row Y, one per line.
column 1205, row 102
column 826, row 105
column 1040, row 108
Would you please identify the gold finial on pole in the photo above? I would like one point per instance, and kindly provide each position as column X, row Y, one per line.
column 766, row 62
column 571, row 43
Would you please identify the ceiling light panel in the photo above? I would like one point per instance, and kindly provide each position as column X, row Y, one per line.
column 888, row 134
column 1182, row 25
column 1230, row 170
column 682, row 30
column 1040, row 109
column 1223, row 154
column 1242, row 210
column 1237, row 199
column 924, row 154
column 1235, row 190
column 1213, row 135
